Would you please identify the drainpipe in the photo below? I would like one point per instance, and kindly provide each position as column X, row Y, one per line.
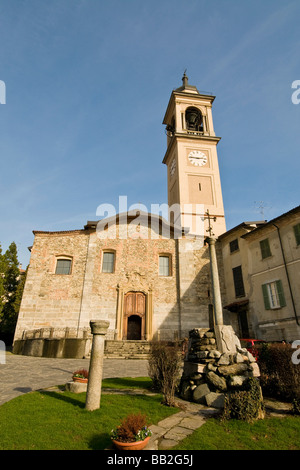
column 287, row 274
column 178, row 286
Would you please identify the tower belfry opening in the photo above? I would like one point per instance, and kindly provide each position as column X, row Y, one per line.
column 194, row 120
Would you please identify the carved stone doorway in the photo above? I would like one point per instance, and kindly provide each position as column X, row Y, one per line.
column 134, row 316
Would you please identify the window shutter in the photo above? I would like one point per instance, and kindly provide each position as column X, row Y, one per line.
column 238, row 281
column 280, row 294
column 297, row 233
column 265, row 248
column 234, row 245
column 266, row 296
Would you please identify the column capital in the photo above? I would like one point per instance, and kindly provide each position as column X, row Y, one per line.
column 211, row 240
column 99, row 327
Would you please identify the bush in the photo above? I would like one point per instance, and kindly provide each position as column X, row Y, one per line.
column 164, row 369
column 296, row 406
column 132, row 428
column 245, row 404
column 280, row 378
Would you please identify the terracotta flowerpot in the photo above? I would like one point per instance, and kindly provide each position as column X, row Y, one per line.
column 80, row 379
column 138, row 445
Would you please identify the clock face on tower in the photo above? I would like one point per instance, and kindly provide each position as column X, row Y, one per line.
column 197, row 158
column 173, row 167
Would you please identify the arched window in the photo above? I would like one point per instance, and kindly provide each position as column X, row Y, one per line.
column 194, row 119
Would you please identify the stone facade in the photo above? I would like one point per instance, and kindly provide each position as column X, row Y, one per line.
column 134, row 293
column 54, row 304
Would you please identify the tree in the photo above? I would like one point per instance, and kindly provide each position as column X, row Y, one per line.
column 11, row 290
column 2, row 275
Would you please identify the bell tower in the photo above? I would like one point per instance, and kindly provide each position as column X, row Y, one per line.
column 191, row 157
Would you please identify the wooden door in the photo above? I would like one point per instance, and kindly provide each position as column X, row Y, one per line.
column 134, row 316
column 134, row 327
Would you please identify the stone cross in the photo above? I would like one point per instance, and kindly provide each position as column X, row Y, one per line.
column 93, row 396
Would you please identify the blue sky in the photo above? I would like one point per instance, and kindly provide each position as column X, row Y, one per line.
column 87, row 85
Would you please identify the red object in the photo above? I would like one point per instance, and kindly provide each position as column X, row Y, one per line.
column 250, row 344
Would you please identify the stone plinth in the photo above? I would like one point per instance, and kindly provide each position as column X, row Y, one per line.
column 209, row 372
column 76, row 387
column 226, row 339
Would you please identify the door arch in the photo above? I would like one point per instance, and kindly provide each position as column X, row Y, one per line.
column 134, row 327
column 134, row 316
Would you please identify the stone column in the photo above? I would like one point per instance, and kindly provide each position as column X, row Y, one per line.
column 226, row 339
column 216, row 292
column 93, row 396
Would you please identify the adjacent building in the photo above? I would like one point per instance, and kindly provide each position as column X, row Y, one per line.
column 262, row 277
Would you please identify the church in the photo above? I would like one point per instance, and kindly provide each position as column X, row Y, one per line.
column 146, row 274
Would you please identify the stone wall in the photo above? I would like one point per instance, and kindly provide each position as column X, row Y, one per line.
column 174, row 303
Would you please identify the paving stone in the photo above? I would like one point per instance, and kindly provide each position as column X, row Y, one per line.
column 178, row 433
column 157, row 431
column 172, row 420
column 167, row 444
column 192, row 423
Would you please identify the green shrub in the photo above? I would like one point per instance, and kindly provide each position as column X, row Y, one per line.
column 280, row 378
column 246, row 404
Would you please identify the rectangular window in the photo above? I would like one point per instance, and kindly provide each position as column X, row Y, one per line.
column 273, row 295
column 265, row 248
column 238, row 281
column 63, row 266
column 108, row 264
column 164, row 265
column 234, row 245
column 297, row 233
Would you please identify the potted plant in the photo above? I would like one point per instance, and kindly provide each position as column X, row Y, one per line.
column 80, row 375
column 132, row 434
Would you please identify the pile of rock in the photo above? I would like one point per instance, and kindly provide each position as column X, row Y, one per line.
column 209, row 374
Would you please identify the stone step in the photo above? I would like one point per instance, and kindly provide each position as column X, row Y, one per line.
column 126, row 349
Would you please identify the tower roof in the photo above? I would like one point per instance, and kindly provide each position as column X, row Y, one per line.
column 185, row 85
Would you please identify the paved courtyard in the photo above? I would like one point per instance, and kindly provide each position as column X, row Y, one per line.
column 22, row 374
